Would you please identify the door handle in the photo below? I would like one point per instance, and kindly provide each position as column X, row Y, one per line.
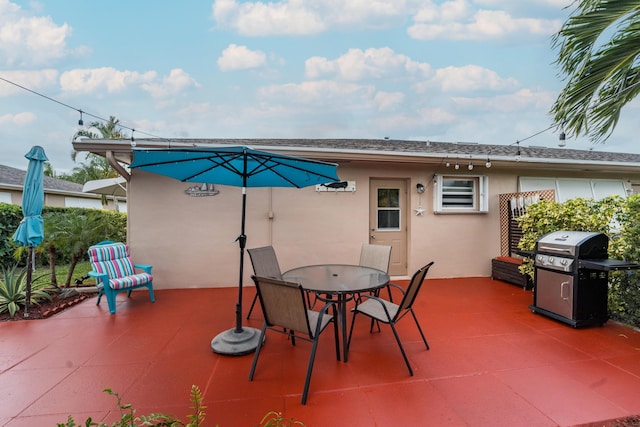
column 562, row 286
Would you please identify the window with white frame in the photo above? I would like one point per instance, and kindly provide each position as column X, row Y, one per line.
column 5, row 197
column 461, row 194
column 81, row 202
column 388, row 209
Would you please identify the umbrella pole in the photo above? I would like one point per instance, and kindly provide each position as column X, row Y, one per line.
column 242, row 241
column 29, row 274
column 238, row 341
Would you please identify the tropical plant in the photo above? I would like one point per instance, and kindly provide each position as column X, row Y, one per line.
column 128, row 415
column 599, row 56
column 76, row 231
column 110, row 129
column 275, row 419
column 13, row 290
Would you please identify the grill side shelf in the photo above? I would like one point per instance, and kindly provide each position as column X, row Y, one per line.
column 607, row 264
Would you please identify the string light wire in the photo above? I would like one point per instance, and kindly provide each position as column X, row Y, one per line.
column 160, row 137
column 81, row 111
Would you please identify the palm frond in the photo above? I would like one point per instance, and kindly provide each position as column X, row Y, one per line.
column 601, row 71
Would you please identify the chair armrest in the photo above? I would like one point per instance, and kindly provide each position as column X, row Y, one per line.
column 323, row 312
column 100, row 277
column 398, row 287
column 145, row 267
column 379, row 301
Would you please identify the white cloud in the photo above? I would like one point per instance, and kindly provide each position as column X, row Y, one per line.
column 458, row 20
column 27, row 40
column 437, row 116
column 34, row 80
column 108, row 79
column 388, row 101
column 307, row 17
column 522, row 100
column 260, row 18
column 171, row 85
column 20, row 119
column 236, row 57
column 358, row 64
column 318, row 93
column 467, row 78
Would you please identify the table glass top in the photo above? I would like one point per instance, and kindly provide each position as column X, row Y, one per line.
column 337, row 278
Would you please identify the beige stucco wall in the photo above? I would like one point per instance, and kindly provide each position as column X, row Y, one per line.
column 191, row 240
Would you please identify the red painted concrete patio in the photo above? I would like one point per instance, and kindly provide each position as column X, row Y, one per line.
column 492, row 363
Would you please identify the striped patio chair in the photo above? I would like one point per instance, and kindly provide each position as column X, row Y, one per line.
column 114, row 272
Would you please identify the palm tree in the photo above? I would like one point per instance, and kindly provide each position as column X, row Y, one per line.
column 599, row 56
column 109, row 130
column 94, row 166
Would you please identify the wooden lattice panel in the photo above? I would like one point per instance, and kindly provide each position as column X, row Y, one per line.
column 506, row 218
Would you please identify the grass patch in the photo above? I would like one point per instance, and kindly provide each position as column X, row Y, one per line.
column 43, row 274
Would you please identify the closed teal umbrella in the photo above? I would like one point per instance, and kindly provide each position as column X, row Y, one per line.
column 30, row 232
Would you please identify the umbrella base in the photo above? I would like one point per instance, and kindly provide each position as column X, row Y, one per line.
column 235, row 343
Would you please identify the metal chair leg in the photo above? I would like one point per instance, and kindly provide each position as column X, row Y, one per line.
column 404, row 355
column 253, row 303
column 420, row 329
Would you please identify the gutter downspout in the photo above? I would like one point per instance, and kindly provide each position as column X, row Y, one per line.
column 114, row 164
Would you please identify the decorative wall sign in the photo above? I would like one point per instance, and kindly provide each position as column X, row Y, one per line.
column 338, row 186
column 202, row 190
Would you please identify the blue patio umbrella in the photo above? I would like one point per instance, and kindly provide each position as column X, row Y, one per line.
column 237, row 166
column 30, row 232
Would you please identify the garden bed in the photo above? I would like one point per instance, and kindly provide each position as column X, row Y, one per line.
column 48, row 308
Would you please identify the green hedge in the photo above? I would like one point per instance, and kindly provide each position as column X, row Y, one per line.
column 616, row 217
column 79, row 222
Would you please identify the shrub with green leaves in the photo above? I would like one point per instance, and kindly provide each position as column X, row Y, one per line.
column 616, row 217
column 13, row 290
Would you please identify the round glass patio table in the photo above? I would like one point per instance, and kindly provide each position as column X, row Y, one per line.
column 339, row 282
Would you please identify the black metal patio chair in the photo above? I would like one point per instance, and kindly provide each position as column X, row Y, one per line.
column 284, row 305
column 265, row 264
column 387, row 312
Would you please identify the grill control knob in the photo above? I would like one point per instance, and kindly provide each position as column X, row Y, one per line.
column 551, row 260
column 563, row 261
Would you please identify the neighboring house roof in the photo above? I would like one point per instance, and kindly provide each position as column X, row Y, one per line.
column 14, row 178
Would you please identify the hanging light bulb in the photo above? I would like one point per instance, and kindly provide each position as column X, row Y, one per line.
column 470, row 166
column 457, row 166
column 488, row 164
column 133, row 140
column 446, row 165
column 80, row 122
column 562, row 139
column 518, row 154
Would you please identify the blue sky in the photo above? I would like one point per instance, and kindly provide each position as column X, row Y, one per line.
column 459, row 70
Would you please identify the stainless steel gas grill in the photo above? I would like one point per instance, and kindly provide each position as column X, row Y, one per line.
column 571, row 277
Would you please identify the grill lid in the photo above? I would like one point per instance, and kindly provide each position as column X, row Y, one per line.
column 568, row 242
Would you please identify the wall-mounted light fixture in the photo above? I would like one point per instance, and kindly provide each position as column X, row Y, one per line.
column 488, row 164
column 420, row 188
